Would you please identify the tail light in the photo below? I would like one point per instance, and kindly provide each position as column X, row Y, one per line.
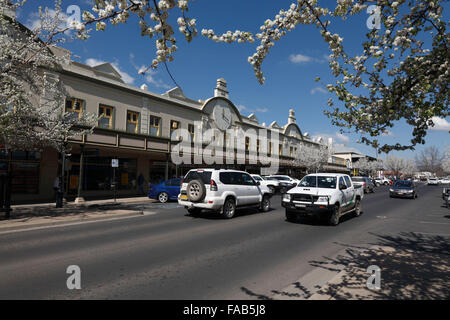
column 213, row 186
column 364, row 185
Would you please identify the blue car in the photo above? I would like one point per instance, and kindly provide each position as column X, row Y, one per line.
column 165, row 191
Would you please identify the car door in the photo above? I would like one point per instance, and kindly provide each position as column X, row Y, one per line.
column 342, row 189
column 251, row 189
column 349, row 192
column 174, row 188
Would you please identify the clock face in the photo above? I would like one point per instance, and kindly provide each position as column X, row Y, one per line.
column 222, row 115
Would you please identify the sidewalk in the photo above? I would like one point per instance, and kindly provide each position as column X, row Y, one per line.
column 412, row 268
column 46, row 214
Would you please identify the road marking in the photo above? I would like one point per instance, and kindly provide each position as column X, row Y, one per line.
column 381, row 217
column 68, row 224
column 434, row 234
column 430, row 222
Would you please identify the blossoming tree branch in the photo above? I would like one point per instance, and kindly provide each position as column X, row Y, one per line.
column 399, row 74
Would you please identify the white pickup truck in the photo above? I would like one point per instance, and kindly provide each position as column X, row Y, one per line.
column 323, row 195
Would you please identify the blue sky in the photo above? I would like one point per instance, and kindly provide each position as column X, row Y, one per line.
column 290, row 68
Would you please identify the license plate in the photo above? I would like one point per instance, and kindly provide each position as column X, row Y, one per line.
column 183, row 197
column 300, row 205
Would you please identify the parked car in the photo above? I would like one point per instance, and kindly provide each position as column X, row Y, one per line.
column 365, row 183
column 403, row 189
column 165, row 191
column 385, row 181
column 323, row 195
column 286, row 182
column 222, row 190
column 446, row 196
column 444, row 181
column 432, row 181
column 272, row 184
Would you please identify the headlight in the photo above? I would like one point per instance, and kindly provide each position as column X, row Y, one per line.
column 322, row 199
column 287, row 197
column 391, row 190
column 409, row 191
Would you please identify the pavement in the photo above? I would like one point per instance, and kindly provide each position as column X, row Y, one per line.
column 167, row 254
column 31, row 216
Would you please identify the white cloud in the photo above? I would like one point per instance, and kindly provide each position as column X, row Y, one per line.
column 342, row 137
column 318, row 89
column 92, row 62
column 149, row 77
column 299, row 58
column 387, row 133
column 336, row 137
column 243, row 108
column 440, row 124
column 302, row 59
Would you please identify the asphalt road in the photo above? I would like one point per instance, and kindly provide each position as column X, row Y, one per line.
column 167, row 254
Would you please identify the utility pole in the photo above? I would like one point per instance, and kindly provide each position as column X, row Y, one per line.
column 79, row 198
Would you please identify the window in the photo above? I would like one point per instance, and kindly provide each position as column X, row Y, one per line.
column 247, row 144
column 258, row 145
column 132, row 122
column 270, row 149
column 74, row 107
column 347, row 181
column 319, row 182
column 106, row 119
column 191, row 130
column 291, row 152
column 280, row 150
column 174, row 125
column 155, row 126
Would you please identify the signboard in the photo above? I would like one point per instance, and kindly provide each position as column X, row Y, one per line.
column 115, row 163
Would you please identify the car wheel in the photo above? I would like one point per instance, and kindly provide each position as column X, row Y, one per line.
column 334, row 217
column 229, row 208
column 194, row 211
column 196, row 190
column 163, row 197
column 358, row 208
column 291, row 217
column 265, row 204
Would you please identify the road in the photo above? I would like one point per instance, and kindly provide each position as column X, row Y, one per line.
column 167, row 254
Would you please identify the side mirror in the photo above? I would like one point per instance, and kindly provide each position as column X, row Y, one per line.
column 342, row 187
column 258, row 183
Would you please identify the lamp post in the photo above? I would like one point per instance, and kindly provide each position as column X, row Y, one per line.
column 79, row 198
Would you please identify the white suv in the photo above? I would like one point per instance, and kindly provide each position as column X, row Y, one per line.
column 223, row 190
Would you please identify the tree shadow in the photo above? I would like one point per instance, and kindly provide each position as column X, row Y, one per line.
column 413, row 266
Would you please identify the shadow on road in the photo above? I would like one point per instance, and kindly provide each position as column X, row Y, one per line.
column 413, row 266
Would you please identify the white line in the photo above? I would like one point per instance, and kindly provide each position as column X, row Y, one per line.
column 69, row 224
column 434, row 234
column 429, row 222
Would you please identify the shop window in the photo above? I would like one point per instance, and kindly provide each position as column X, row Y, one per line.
column 74, row 108
column 106, row 120
column 174, row 125
column 191, row 130
column 155, row 126
column 132, row 122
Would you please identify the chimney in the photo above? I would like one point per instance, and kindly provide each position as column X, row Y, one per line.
column 221, row 88
column 291, row 116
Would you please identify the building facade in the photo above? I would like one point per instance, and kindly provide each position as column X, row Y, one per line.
column 140, row 128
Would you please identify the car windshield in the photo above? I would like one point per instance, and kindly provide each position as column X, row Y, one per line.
column 318, row 182
column 406, row 184
column 257, row 178
column 282, row 178
column 205, row 176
